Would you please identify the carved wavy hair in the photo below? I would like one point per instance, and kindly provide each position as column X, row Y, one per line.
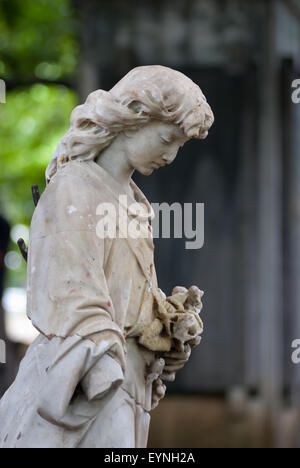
column 145, row 93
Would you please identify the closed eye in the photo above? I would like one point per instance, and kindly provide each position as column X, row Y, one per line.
column 165, row 140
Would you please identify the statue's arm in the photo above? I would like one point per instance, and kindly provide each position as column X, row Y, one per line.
column 79, row 318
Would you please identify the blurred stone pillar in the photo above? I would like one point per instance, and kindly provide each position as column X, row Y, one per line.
column 293, row 217
column 88, row 78
column 269, row 326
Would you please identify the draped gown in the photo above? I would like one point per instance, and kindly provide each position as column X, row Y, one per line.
column 83, row 382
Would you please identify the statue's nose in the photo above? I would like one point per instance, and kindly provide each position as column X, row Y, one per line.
column 168, row 158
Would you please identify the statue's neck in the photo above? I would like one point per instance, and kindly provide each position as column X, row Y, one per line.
column 117, row 165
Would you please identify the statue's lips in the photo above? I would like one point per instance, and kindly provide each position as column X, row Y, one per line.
column 156, row 165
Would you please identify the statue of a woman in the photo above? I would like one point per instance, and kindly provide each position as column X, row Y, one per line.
column 109, row 338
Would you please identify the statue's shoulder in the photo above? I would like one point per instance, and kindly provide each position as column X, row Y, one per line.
column 81, row 174
column 77, row 180
column 70, row 200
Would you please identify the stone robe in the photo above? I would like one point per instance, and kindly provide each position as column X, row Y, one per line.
column 83, row 382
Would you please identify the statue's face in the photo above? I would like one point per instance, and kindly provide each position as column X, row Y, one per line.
column 154, row 146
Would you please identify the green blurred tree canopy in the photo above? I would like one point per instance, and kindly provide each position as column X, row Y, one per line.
column 37, row 43
column 38, row 58
column 37, row 39
column 32, row 122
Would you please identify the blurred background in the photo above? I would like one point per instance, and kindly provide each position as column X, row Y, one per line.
column 240, row 388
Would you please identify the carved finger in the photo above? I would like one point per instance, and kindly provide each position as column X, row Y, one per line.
column 168, row 377
column 175, row 362
column 154, row 404
column 178, row 355
column 160, row 391
column 174, row 368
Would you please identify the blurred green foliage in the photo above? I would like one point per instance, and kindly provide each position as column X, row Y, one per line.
column 38, row 45
column 31, row 123
column 37, row 39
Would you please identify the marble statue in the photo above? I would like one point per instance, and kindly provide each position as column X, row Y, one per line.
column 109, row 337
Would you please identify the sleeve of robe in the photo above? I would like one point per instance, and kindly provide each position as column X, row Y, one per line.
column 68, row 298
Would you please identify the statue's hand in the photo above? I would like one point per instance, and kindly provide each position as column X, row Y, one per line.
column 158, row 392
column 174, row 361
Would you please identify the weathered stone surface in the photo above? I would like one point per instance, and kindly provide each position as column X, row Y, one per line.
column 109, row 337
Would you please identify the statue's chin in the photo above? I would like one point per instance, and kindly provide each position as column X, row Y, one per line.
column 145, row 172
